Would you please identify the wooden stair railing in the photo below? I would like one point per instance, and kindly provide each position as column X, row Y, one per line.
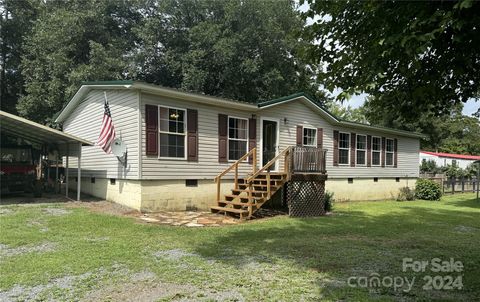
column 259, row 187
column 218, row 178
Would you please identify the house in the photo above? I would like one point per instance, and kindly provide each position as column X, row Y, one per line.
column 179, row 142
column 444, row 159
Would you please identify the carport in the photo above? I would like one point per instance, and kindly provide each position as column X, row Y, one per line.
column 47, row 138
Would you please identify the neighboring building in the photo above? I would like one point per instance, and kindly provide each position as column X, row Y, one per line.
column 444, row 159
column 178, row 142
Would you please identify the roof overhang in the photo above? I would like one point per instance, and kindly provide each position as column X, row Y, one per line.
column 304, row 99
column 333, row 119
column 36, row 133
column 151, row 89
column 222, row 102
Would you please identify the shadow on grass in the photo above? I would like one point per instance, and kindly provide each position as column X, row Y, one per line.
column 470, row 203
column 357, row 243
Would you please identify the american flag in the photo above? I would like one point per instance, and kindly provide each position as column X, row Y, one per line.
column 107, row 132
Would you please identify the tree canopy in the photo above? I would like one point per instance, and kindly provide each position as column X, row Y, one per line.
column 413, row 58
column 245, row 50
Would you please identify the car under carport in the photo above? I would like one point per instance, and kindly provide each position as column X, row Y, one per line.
column 46, row 138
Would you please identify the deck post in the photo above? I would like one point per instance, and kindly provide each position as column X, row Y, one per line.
column 66, row 172
column 56, row 174
column 236, row 176
column 254, row 160
column 79, row 171
column 218, row 188
column 269, row 190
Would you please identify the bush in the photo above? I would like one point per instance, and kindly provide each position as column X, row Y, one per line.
column 405, row 193
column 427, row 189
column 328, row 201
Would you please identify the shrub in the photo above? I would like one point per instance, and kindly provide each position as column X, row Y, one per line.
column 427, row 189
column 405, row 193
column 328, row 201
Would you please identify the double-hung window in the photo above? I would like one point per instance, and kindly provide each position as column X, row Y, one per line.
column 344, row 148
column 376, row 150
column 237, row 137
column 309, row 137
column 361, row 149
column 389, row 150
column 172, row 132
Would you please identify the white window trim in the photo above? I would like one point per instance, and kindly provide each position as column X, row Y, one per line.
column 379, row 151
column 392, row 152
column 236, row 139
column 349, row 147
column 316, row 136
column 357, row 149
column 174, row 133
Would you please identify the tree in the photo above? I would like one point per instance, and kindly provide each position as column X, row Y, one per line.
column 413, row 58
column 16, row 21
column 451, row 133
column 347, row 112
column 245, row 50
column 73, row 42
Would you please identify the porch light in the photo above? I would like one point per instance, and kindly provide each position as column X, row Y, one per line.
column 285, row 120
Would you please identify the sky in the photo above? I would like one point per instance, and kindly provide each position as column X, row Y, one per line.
column 470, row 107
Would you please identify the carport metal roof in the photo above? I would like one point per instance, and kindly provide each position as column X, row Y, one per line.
column 34, row 132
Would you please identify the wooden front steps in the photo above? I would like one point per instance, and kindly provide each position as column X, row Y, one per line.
column 250, row 194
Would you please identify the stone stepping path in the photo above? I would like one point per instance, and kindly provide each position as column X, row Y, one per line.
column 188, row 219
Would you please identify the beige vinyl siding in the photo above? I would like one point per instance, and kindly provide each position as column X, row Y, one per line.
column 207, row 166
column 297, row 113
column 85, row 122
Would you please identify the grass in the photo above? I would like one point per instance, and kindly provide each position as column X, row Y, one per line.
column 273, row 259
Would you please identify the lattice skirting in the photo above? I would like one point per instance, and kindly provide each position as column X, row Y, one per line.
column 305, row 195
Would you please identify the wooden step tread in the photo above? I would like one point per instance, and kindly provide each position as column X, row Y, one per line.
column 237, row 203
column 232, row 210
column 247, row 191
column 242, row 181
column 261, row 185
column 243, row 197
column 273, row 173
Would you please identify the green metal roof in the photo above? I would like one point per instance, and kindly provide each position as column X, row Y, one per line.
column 113, row 82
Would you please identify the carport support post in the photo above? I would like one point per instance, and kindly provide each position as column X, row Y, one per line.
column 478, row 179
column 79, row 173
column 66, row 173
column 56, row 175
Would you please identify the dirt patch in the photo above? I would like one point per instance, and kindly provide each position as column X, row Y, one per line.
column 105, row 207
column 97, row 239
column 156, row 290
column 5, row 211
column 143, row 276
column 174, row 254
column 35, row 293
column 464, row 229
column 37, row 224
column 6, row 251
column 56, row 211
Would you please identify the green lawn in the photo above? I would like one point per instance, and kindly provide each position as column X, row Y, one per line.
column 72, row 254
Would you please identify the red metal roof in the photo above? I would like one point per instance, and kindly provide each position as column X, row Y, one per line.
column 450, row 155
